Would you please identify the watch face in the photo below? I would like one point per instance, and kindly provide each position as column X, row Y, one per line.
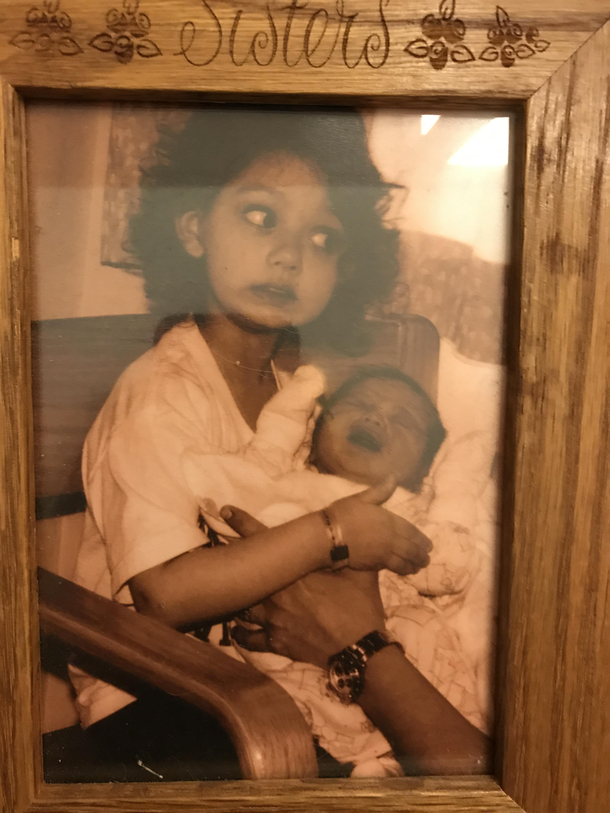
column 345, row 677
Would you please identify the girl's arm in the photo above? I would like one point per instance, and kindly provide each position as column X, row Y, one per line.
column 418, row 721
column 208, row 583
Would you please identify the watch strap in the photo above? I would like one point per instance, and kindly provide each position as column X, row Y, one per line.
column 369, row 644
column 347, row 668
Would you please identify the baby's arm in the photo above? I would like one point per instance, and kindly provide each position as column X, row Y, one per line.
column 285, row 421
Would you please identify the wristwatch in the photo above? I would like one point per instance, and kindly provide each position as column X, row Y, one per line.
column 346, row 669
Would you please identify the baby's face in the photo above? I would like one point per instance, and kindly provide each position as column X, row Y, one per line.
column 379, row 428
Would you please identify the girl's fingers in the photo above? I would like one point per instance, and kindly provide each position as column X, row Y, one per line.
column 408, row 531
column 403, row 567
column 257, row 615
column 377, row 495
column 241, row 521
column 412, row 551
column 252, row 640
column 415, row 556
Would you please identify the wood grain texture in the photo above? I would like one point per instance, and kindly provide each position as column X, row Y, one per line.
column 429, row 795
column 553, row 685
column 187, row 57
column 19, row 684
column 270, row 735
column 555, row 682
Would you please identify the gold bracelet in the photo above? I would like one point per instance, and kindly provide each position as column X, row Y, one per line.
column 339, row 551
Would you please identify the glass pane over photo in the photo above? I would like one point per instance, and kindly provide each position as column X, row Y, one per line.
column 299, row 314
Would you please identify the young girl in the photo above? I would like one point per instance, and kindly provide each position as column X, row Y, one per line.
column 253, row 226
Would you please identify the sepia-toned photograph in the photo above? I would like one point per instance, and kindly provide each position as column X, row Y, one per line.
column 268, row 372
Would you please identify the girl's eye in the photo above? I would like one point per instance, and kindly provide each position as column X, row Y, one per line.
column 261, row 216
column 329, row 240
column 320, row 239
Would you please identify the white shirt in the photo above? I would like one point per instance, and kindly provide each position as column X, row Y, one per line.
column 171, row 402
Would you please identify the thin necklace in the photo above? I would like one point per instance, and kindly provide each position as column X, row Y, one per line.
column 272, row 367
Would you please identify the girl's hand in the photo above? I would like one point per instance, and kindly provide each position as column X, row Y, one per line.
column 377, row 538
column 316, row 617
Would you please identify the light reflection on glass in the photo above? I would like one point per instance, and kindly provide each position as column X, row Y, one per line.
column 486, row 148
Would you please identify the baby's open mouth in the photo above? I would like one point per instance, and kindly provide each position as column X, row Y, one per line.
column 364, row 439
column 274, row 294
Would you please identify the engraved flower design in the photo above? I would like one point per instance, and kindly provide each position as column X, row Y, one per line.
column 47, row 31
column 509, row 42
column 442, row 39
column 127, row 34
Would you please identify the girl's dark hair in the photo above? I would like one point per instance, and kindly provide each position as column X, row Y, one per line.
column 436, row 431
column 215, row 146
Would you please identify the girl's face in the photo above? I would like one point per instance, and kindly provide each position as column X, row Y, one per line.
column 271, row 243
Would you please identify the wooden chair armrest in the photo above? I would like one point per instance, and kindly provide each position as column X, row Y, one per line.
column 270, row 735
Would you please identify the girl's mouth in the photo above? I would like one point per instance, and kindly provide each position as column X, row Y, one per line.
column 364, row 439
column 274, row 294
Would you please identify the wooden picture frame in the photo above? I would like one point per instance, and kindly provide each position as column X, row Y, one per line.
column 551, row 62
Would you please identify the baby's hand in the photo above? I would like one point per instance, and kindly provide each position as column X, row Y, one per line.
column 377, row 538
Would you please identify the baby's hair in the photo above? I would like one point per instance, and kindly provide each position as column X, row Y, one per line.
column 436, row 431
column 218, row 144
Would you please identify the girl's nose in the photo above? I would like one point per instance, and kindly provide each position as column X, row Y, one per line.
column 286, row 255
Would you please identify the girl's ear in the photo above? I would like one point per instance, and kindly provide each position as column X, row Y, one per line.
column 188, row 229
